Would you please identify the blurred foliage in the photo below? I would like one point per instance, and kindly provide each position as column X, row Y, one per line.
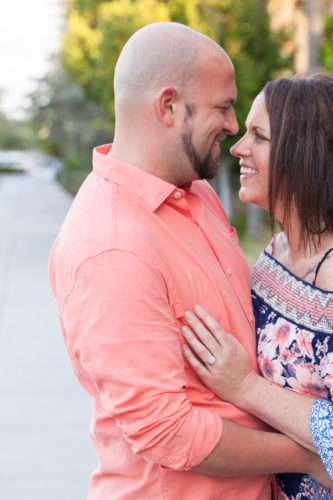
column 326, row 53
column 9, row 169
column 97, row 31
column 66, row 124
column 73, row 109
column 14, row 134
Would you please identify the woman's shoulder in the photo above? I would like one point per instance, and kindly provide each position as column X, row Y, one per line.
column 277, row 245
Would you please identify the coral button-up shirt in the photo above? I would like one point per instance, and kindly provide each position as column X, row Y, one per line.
column 135, row 253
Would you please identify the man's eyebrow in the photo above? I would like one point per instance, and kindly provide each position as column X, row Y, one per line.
column 230, row 100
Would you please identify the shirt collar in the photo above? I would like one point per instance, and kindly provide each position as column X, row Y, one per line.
column 151, row 189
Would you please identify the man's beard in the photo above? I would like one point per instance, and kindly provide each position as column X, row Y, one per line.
column 205, row 168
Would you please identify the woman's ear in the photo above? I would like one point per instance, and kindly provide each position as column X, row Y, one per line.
column 166, row 103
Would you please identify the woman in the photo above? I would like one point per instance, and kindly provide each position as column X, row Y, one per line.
column 286, row 160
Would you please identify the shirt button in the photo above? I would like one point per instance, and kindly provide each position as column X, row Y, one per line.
column 177, row 195
column 229, row 270
column 251, row 318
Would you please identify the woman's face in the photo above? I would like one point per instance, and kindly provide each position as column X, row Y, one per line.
column 253, row 149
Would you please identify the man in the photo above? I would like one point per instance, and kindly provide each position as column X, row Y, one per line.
column 144, row 241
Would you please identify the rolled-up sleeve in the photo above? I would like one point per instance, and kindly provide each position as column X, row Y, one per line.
column 124, row 342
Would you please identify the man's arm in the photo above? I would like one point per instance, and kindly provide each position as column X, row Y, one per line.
column 126, row 347
column 244, row 451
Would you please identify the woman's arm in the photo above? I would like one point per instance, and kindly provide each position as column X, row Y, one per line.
column 233, row 379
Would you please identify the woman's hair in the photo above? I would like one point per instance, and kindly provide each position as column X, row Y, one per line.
column 301, row 158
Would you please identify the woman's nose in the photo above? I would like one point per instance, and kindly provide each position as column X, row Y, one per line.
column 240, row 148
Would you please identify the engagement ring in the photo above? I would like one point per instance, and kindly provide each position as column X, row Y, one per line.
column 211, row 360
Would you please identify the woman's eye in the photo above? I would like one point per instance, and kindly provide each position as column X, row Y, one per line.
column 260, row 137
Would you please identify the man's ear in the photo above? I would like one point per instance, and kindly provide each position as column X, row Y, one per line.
column 166, row 103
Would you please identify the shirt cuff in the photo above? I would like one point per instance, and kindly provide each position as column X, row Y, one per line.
column 208, row 434
column 193, row 443
column 321, row 427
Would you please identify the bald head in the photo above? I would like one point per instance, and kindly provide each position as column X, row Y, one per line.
column 157, row 55
column 174, row 89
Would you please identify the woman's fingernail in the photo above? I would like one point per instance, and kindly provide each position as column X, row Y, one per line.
column 198, row 308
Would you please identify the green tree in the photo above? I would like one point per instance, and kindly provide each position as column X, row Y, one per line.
column 96, row 34
column 97, row 31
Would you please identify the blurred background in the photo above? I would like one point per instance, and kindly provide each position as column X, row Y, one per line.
column 56, row 103
column 58, row 58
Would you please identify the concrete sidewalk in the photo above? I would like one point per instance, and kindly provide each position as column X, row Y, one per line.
column 45, row 450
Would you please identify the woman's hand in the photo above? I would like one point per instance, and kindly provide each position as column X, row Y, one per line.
column 220, row 360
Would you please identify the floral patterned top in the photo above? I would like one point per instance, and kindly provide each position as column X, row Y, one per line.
column 294, row 322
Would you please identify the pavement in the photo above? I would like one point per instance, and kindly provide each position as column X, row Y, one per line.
column 45, row 449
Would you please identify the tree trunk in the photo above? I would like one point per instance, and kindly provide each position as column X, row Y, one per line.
column 222, row 184
column 225, row 189
column 315, row 14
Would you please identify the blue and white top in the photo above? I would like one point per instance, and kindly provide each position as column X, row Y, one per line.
column 294, row 322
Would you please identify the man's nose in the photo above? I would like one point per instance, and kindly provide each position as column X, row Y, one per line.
column 231, row 124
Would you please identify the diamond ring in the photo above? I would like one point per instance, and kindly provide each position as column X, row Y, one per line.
column 211, row 360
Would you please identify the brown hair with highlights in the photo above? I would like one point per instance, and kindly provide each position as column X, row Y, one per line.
column 301, row 158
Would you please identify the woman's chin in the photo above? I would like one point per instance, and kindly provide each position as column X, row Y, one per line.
column 244, row 196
